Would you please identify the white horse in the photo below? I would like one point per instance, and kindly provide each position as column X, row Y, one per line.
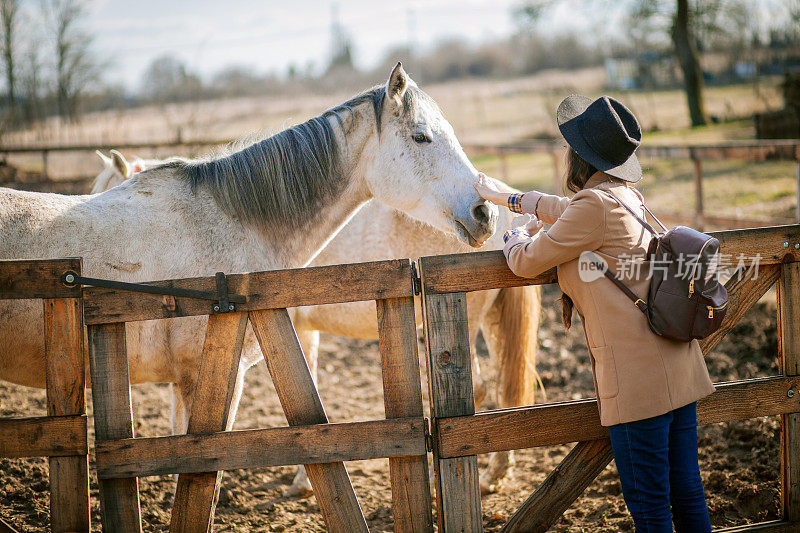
column 117, row 169
column 509, row 318
column 274, row 204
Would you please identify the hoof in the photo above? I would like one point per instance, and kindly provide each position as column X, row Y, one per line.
column 488, row 488
column 299, row 491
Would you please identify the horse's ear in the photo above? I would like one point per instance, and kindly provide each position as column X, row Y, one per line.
column 103, row 157
column 397, row 85
column 121, row 164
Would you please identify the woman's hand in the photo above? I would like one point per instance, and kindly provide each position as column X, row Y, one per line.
column 534, row 226
column 489, row 191
column 528, row 224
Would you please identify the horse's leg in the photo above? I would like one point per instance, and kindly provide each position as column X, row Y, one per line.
column 480, row 386
column 511, row 331
column 499, row 462
column 236, row 397
column 309, row 340
column 180, row 407
column 182, row 394
column 251, row 355
column 477, row 304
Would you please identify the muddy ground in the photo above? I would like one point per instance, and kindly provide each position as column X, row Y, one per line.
column 739, row 460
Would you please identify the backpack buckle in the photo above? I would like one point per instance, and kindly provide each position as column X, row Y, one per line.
column 641, row 304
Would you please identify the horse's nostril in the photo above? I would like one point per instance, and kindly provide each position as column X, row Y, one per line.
column 481, row 213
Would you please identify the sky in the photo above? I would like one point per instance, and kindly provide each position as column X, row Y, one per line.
column 269, row 35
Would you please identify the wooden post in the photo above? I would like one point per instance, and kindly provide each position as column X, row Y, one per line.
column 113, row 419
column 698, row 189
column 302, row 406
column 789, row 336
column 797, row 179
column 557, row 185
column 196, row 494
column 66, row 380
column 45, row 174
column 402, row 396
column 502, row 156
column 450, row 381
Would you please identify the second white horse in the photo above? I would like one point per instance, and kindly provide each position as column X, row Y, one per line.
column 508, row 318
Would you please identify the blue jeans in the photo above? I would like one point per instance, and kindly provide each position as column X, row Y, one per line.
column 657, row 463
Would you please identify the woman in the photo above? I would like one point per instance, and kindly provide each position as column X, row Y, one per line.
column 647, row 386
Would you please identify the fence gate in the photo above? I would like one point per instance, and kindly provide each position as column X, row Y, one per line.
column 459, row 434
column 61, row 435
column 208, row 448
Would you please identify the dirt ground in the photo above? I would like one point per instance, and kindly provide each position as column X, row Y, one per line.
column 739, row 460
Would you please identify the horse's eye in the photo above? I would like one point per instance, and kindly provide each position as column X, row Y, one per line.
column 420, row 138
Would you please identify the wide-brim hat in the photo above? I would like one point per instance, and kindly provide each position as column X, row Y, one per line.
column 604, row 133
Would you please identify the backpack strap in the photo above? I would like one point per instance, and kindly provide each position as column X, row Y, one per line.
column 654, row 217
column 641, row 221
column 638, row 302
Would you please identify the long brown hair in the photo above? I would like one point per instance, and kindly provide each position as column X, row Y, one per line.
column 578, row 173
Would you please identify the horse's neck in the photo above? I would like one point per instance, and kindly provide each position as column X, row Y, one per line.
column 297, row 246
column 363, row 237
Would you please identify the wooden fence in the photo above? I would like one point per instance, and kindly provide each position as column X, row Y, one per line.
column 208, row 448
column 456, row 435
column 459, row 434
column 61, row 435
column 46, row 150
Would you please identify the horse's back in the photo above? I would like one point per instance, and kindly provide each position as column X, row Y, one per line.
column 28, row 221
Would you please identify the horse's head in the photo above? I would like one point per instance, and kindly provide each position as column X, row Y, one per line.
column 116, row 170
column 420, row 167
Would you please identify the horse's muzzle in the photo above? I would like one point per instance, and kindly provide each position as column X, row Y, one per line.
column 483, row 223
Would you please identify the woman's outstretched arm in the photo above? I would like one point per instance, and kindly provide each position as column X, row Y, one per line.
column 546, row 207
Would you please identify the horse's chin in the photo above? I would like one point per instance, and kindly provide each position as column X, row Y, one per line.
column 465, row 236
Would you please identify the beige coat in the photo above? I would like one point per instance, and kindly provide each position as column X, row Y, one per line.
column 637, row 374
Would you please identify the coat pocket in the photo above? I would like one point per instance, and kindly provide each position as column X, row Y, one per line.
column 605, row 370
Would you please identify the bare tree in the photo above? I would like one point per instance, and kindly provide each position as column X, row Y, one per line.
column 32, row 80
column 793, row 10
column 75, row 68
column 9, row 9
column 169, row 79
column 529, row 13
column 685, row 43
column 685, row 25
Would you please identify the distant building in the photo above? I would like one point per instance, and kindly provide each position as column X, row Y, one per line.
column 649, row 69
column 621, row 73
column 783, row 123
column 745, row 70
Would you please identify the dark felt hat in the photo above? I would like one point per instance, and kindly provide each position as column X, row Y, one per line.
column 604, row 133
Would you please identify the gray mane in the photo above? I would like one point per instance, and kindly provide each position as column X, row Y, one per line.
column 284, row 179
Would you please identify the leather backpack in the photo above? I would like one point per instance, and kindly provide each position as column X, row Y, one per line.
column 685, row 300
